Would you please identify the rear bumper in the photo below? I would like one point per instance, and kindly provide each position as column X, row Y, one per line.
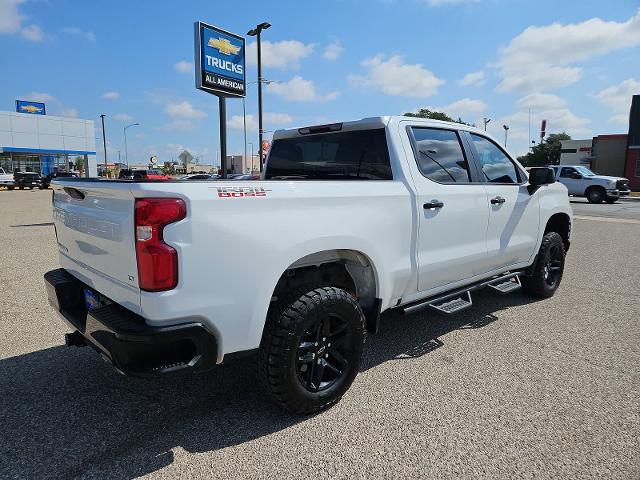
column 124, row 339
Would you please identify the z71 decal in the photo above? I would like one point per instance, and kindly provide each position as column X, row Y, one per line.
column 239, row 192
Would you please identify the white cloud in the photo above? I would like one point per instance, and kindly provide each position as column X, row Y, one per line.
column 394, row 77
column 269, row 119
column 40, row 97
column 236, row 123
column 441, row 3
column 183, row 66
column 11, row 21
column 67, row 112
column 178, row 126
column 474, row 78
column 463, row 107
column 33, row 33
column 10, row 17
column 273, row 118
column 618, row 99
column 110, row 95
column 542, row 58
column 86, row 34
column 123, row 117
column 284, row 54
column 300, row 90
column 541, row 101
column 183, row 110
column 333, row 51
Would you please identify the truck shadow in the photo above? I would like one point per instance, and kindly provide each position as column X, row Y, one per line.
column 65, row 413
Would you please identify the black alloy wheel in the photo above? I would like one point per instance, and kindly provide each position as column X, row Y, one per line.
column 321, row 358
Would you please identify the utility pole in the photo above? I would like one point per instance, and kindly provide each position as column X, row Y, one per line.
column 486, row 120
column 104, row 142
column 255, row 32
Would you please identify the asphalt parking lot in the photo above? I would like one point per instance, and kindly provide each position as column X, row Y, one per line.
column 509, row 388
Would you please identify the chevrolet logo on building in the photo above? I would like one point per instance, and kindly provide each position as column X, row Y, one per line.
column 223, row 45
column 30, row 108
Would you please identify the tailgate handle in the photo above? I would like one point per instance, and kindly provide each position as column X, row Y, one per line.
column 74, row 193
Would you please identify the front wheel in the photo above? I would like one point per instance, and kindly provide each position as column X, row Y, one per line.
column 596, row 195
column 311, row 348
column 546, row 273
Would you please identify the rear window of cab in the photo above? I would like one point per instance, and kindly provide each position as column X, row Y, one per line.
column 351, row 155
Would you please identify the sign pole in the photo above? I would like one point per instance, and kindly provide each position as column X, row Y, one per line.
column 223, row 134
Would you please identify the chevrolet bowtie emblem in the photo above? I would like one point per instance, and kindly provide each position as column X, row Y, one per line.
column 224, row 46
column 30, row 108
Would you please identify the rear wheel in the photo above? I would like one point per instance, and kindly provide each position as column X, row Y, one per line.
column 21, row 187
column 596, row 194
column 11, row 187
column 546, row 273
column 311, row 348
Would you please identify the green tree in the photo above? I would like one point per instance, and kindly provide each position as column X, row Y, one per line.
column 79, row 163
column 545, row 153
column 426, row 113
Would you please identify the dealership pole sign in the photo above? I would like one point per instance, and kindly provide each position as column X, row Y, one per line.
column 219, row 61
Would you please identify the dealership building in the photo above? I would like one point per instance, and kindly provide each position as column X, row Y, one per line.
column 35, row 142
column 617, row 155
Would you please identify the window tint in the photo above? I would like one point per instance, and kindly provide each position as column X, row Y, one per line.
column 355, row 155
column 440, row 157
column 567, row 172
column 496, row 166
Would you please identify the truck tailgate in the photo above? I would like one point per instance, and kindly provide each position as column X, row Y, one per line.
column 94, row 223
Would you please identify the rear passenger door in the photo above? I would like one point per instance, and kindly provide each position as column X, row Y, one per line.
column 452, row 209
column 514, row 214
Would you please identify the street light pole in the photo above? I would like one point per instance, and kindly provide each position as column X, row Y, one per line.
column 244, row 121
column 104, row 142
column 506, row 129
column 256, row 33
column 251, row 143
column 486, row 120
column 126, row 152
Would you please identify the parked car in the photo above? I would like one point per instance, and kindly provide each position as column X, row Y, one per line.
column 28, row 180
column 6, row 179
column 46, row 181
column 352, row 219
column 582, row 182
column 247, row 176
column 128, row 174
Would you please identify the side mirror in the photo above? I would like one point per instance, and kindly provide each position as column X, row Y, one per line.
column 539, row 176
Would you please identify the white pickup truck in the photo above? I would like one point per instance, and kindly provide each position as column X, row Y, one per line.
column 6, row 179
column 582, row 182
column 349, row 220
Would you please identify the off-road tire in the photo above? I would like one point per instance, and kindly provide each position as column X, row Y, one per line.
column 538, row 283
column 595, row 194
column 289, row 321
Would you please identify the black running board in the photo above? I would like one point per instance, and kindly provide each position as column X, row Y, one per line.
column 460, row 299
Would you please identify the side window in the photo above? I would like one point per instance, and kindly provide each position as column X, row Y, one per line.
column 440, row 156
column 567, row 172
column 496, row 166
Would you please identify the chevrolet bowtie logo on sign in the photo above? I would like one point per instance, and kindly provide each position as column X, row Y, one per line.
column 219, row 61
column 223, row 45
column 35, row 108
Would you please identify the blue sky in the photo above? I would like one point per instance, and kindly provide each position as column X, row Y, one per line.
column 574, row 63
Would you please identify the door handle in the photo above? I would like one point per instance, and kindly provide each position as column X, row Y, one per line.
column 497, row 200
column 433, row 204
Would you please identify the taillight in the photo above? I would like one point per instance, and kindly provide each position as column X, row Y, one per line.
column 157, row 261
